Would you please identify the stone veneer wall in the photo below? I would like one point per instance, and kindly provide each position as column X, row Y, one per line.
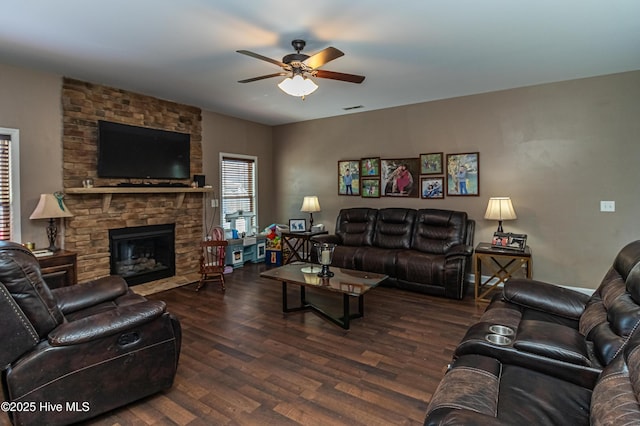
column 87, row 231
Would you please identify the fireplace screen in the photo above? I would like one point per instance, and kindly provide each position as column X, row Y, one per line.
column 143, row 253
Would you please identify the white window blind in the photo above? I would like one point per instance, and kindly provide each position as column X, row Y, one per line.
column 5, row 188
column 239, row 190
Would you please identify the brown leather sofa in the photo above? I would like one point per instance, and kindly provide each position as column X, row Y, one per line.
column 75, row 352
column 566, row 352
column 426, row 250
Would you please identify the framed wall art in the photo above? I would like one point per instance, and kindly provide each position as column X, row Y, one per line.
column 431, row 164
column 370, row 167
column 431, row 187
column 463, row 174
column 399, row 177
column 349, row 177
column 370, row 187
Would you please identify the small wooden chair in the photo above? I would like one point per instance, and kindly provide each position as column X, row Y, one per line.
column 212, row 262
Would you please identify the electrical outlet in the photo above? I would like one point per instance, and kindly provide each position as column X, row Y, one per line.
column 607, row 206
column 215, row 203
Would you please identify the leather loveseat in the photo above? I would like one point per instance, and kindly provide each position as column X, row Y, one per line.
column 426, row 250
column 567, row 354
column 75, row 352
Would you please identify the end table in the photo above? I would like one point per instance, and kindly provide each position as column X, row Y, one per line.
column 298, row 244
column 502, row 264
column 59, row 269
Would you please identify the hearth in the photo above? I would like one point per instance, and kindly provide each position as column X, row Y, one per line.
column 143, row 253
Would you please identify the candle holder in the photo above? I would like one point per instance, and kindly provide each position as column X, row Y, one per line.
column 324, row 252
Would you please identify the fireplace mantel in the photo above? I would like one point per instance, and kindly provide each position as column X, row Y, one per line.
column 108, row 191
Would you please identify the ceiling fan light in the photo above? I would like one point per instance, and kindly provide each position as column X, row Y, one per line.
column 298, row 86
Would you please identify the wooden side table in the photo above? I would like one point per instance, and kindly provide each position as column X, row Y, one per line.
column 502, row 264
column 59, row 269
column 298, row 244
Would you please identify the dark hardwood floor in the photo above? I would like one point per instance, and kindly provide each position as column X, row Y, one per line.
column 244, row 362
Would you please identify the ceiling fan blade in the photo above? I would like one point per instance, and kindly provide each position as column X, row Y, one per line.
column 262, row 77
column 264, row 58
column 351, row 78
column 322, row 57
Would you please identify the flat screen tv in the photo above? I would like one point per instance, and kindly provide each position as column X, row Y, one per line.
column 134, row 152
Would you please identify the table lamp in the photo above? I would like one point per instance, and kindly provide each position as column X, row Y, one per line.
column 500, row 208
column 51, row 207
column 310, row 205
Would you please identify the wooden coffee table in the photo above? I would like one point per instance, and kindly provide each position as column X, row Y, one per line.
column 347, row 282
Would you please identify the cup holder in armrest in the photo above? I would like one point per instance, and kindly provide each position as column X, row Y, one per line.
column 502, row 330
column 498, row 339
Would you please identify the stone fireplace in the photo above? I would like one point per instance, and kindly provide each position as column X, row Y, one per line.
column 87, row 232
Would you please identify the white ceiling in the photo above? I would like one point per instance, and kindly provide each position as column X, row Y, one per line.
column 409, row 50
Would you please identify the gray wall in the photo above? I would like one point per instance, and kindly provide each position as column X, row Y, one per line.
column 221, row 133
column 555, row 149
column 30, row 101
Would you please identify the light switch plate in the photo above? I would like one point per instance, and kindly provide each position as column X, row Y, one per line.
column 607, row 206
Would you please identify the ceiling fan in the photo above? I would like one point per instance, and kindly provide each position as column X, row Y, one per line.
column 298, row 67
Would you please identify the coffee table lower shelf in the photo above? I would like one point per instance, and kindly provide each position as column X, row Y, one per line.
column 305, row 305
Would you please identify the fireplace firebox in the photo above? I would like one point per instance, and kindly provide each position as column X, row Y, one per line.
column 143, row 253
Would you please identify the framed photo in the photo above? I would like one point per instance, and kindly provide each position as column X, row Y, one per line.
column 349, row 177
column 507, row 240
column 370, row 167
column 431, row 164
column 463, row 174
column 399, row 177
column 370, row 187
column 297, row 225
column 432, row 187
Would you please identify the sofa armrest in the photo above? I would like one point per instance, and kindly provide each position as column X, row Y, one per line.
column 106, row 323
column 545, row 297
column 459, row 250
column 331, row 239
column 552, row 341
column 81, row 296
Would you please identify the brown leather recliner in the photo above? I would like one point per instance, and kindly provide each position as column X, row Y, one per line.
column 84, row 349
column 565, row 332
column 480, row 390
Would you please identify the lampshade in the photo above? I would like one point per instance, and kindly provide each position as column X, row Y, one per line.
column 500, row 208
column 310, row 204
column 297, row 86
column 50, row 206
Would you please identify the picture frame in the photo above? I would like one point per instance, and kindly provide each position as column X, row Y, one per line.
column 370, row 187
column 431, row 187
column 349, row 177
column 297, row 225
column 509, row 241
column 463, row 174
column 431, row 164
column 370, row 167
column 400, row 177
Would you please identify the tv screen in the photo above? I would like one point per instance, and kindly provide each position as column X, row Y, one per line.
column 141, row 153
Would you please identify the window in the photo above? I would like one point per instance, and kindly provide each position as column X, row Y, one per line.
column 239, row 206
column 9, row 185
